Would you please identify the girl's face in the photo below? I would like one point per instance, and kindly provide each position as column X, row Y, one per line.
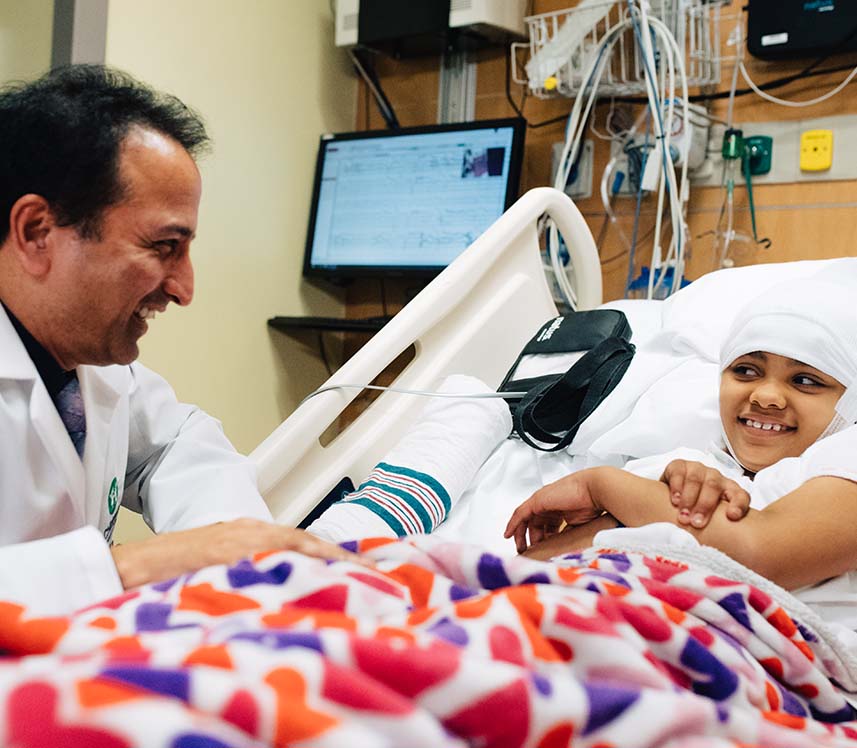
column 774, row 407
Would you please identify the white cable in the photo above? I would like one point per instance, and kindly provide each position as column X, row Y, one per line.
column 577, row 120
column 678, row 244
column 739, row 44
column 795, row 104
column 425, row 393
column 574, row 130
column 678, row 193
column 606, row 201
column 661, row 145
column 672, row 53
column 667, row 73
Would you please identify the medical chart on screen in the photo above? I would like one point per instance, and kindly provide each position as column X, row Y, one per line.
column 413, row 200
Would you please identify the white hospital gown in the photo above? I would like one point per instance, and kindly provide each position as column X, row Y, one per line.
column 835, row 600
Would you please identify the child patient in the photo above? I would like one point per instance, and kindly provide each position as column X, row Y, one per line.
column 788, row 402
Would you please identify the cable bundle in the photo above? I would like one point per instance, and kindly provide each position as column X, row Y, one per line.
column 662, row 59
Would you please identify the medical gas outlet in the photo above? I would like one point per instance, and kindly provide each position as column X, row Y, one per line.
column 816, row 150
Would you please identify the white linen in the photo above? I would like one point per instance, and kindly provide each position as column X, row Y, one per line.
column 700, row 315
column 510, row 475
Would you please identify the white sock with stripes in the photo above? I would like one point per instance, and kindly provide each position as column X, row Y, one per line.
column 416, row 484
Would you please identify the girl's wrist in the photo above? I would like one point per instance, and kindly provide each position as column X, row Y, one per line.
column 598, row 486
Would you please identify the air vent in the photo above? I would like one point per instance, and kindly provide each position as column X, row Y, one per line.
column 349, row 22
column 458, row 5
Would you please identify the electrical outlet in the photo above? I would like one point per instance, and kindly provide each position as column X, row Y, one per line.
column 816, row 150
column 579, row 185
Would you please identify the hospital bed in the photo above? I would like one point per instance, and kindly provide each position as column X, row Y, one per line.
column 472, row 319
column 443, row 643
column 476, row 316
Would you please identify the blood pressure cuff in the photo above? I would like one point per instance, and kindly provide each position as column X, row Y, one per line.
column 549, row 415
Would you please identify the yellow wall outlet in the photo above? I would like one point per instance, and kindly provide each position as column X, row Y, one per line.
column 816, row 150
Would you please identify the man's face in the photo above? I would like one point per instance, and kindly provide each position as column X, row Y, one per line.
column 110, row 286
column 774, row 407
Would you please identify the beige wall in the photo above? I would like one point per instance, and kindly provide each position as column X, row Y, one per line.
column 25, row 38
column 268, row 81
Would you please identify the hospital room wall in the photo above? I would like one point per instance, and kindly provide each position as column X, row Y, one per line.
column 25, row 38
column 804, row 220
column 268, row 81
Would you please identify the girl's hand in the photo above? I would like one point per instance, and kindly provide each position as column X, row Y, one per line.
column 566, row 501
column 696, row 490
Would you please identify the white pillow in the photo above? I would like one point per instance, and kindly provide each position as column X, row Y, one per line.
column 668, row 398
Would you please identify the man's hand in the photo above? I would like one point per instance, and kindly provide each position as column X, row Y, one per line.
column 696, row 490
column 173, row 553
column 568, row 500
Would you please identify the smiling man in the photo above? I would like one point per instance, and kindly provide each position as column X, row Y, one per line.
column 99, row 195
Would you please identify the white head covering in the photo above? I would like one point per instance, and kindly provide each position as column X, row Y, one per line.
column 814, row 321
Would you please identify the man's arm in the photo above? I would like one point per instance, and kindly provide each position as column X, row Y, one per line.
column 59, row 574
column 173, row 553
column 182, row 470
column 803, row 538
column 196, row 491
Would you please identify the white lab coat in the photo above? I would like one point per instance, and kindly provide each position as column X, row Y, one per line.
column 167, row 460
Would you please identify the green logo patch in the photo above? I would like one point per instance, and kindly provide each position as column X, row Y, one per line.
column 113, row 496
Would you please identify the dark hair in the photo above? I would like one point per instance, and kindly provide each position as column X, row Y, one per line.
column 60, row 138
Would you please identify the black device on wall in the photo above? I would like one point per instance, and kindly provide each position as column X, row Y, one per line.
column 787, row 29
column 415, row 26
column 407, row 202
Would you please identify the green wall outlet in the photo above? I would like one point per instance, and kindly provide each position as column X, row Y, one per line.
column 759, row 150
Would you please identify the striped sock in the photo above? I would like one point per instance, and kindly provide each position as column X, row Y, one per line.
column 410, row 502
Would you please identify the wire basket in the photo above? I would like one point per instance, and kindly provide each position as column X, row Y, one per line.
column 562, row 42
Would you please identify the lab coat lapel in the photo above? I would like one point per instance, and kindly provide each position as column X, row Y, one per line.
column 16, row 364
column 106, row 450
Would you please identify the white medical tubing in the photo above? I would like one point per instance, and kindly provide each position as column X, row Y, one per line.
column 795, row 104
column 659, row 92
column 423, row 393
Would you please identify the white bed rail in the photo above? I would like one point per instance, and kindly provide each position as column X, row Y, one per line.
column 472, row 319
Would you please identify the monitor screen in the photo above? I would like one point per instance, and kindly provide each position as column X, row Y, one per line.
column 409, row 201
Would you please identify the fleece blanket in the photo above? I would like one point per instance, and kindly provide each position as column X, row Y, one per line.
column 441, row 644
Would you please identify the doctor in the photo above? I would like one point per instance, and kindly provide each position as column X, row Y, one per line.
column 99, row 194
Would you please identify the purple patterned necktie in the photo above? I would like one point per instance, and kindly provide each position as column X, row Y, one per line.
column 70, row 407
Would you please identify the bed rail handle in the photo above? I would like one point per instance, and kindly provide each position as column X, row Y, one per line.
column 514, row 232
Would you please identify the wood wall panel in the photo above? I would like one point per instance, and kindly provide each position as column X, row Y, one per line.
column 803, row 221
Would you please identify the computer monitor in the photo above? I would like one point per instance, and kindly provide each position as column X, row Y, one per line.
column 407, row 202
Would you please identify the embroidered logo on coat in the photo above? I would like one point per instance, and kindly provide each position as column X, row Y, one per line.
column 113, row 496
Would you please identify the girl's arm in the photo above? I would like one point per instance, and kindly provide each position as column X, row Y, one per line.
column 803, row 538
column 572, row 538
